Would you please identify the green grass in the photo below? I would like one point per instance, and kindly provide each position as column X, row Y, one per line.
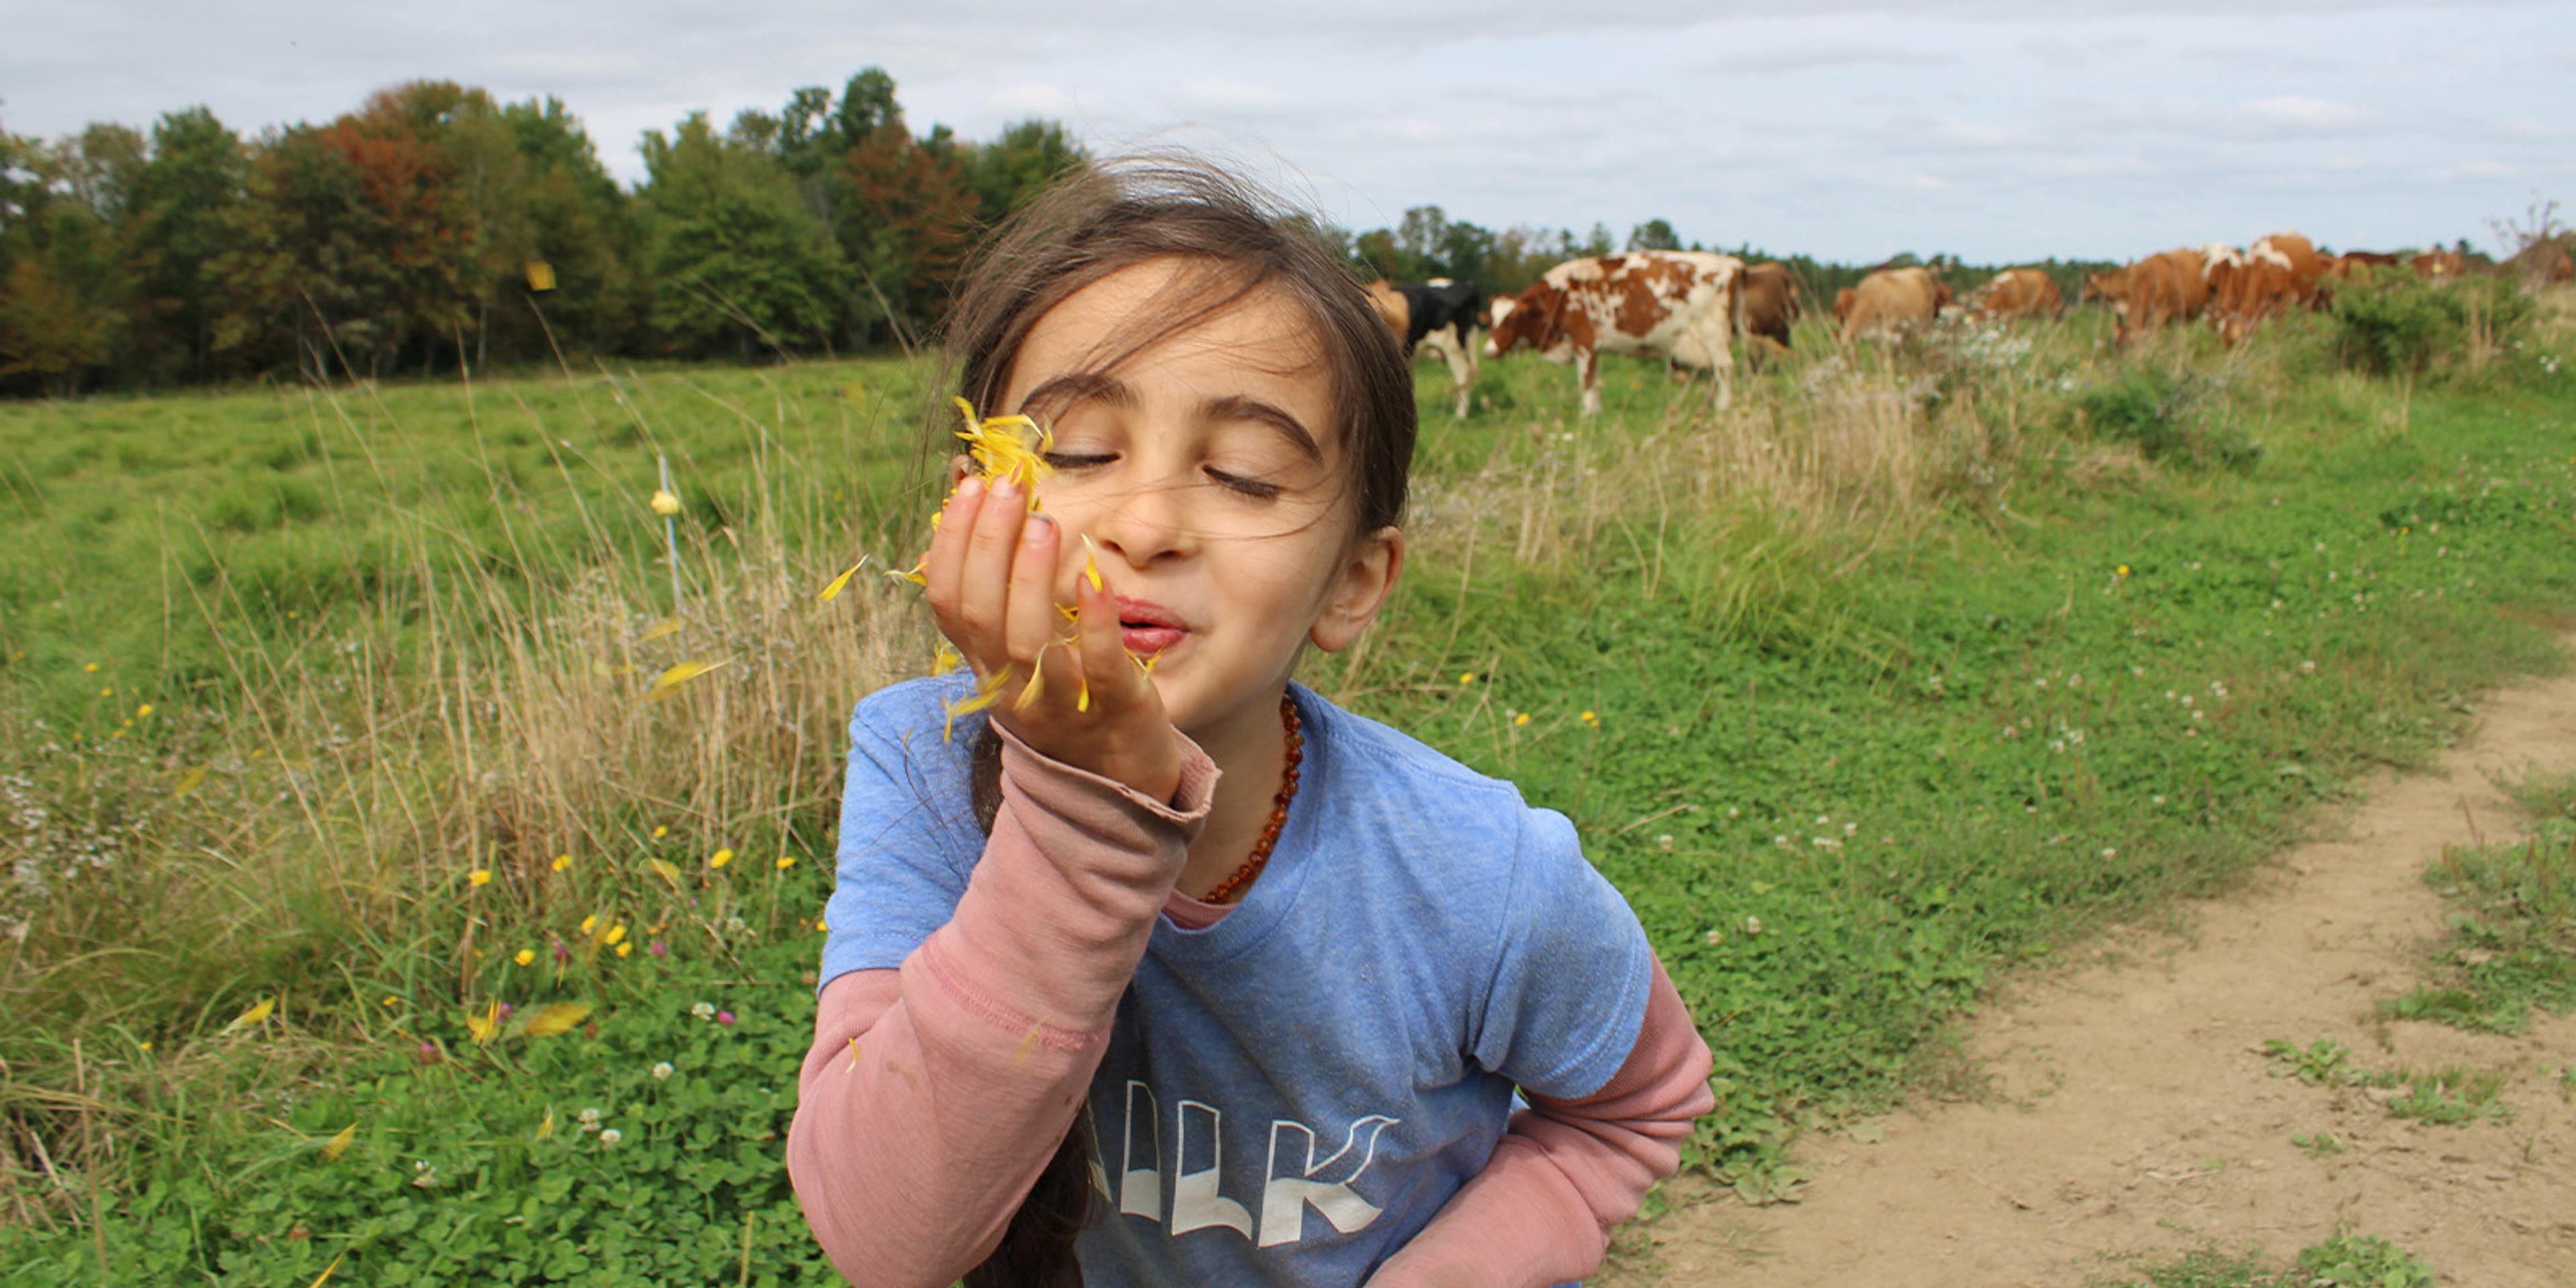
column 2511, row 946
column 2345, row 1261
column 1907, row 675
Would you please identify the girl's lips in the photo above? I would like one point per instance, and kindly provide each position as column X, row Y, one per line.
column 1147, row 627
column 1146, row 641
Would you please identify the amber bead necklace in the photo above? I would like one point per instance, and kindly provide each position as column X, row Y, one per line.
column 1233, row 885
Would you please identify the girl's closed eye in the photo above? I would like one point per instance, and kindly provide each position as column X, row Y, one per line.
column 1244, row 484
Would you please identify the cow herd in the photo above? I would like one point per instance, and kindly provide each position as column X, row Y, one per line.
column 1687, row 307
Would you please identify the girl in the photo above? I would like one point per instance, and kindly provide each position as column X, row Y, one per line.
column 1160, row 968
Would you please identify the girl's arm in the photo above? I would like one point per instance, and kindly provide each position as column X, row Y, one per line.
column 1569, row 1171
column 935, row 1093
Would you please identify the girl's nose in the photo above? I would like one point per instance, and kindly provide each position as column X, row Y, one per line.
column 1145, row 524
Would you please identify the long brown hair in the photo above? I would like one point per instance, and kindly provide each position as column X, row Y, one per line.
column 1236, row 241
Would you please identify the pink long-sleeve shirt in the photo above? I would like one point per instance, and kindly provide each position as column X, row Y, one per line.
column 935, row 1093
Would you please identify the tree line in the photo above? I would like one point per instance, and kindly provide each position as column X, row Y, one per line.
column 435, row 228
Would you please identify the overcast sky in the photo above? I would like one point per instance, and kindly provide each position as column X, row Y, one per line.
column 1998, row 130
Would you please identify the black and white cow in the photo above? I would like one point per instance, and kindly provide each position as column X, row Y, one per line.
column 1442, row 316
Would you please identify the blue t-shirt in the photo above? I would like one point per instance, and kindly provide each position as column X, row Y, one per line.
column 1289, row 1095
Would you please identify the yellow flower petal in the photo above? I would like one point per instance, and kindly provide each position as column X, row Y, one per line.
column 840, row 583
column 944, row 659
column 719, row 858
column 623, row 949
column 257, row 1014
column 562, row 861
column 479, row 877
column 985, row 695
column 664, row 503
column 669, row 682
column 525, row 956
column 1090, row 562
column 786, row 861
column 616, row 932
column 666, row 626
column 554, row 1017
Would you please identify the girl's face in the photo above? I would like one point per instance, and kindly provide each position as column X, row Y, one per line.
column 1208, row 473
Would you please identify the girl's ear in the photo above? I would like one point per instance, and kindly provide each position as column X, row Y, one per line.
column 1361, row 588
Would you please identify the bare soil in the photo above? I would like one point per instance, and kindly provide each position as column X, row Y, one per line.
column 2133, row 1115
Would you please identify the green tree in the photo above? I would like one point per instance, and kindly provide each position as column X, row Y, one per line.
column 1012, row 168
column 1654, row 234
column 736, row 259
column 187, row 203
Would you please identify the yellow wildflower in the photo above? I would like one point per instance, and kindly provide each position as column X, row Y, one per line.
column 786, row 861
column 616, row 932
column 2124, row 570
column 525, row 957
column 562, row 861
column 623, row 949
column 147, row 1045
column 1521, row 719
column 664, row 503
column 588, row 922
column 142, row 711
column 92, row 666
column 660, row 832
column 1008, row 447
column 719, row 858
column 1467, row 677
column 819, row 925
column 1592, row 718
column 479, row 877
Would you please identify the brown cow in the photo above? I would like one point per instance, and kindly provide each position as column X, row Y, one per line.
column 2017, row 293
column 1676, row 305
column 1889, row 302
column 2353, row 263
column 2167, row 287
column 2441, row 265
column 1769, row 306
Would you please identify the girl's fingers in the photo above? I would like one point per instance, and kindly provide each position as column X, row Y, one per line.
column 1030, row 619
column 1113, row 676
column 944, row 567
column 983, row 587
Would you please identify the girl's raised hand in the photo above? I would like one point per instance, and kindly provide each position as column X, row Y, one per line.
column 990, row 577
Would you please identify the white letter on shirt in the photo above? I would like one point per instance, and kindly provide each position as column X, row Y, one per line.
column 1284, row 1198
column 1140, row 1189
column 1196, row 1204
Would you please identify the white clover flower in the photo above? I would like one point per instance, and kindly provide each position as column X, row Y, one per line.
column 662, row 1071
column 611, row 1136
column 1753, row 925
column 589, row 1118
column 704, row 1010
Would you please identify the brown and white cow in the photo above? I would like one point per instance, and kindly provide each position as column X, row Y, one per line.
column 2017, row 293
column 1890, row 302
column 2166, row 287
column 2279, row 273
column 1768, row 309
column 1675, row 305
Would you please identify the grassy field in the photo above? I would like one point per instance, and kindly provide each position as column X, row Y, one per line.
column 334, row 722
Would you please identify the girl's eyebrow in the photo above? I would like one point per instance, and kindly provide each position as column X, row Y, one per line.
column 1079, row 386
column 1242, row 407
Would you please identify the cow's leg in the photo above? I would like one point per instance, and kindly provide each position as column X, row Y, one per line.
column 1462, row 375
column 1588, row 364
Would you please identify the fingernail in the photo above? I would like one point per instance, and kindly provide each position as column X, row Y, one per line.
column 1004, row 487
column 973, row 486
column 1038, row 526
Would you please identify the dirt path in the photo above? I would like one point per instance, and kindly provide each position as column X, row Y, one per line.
column 2137, row 1114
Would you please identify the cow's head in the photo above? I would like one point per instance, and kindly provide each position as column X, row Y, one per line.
column 1843, row 300
column 1533, row 319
